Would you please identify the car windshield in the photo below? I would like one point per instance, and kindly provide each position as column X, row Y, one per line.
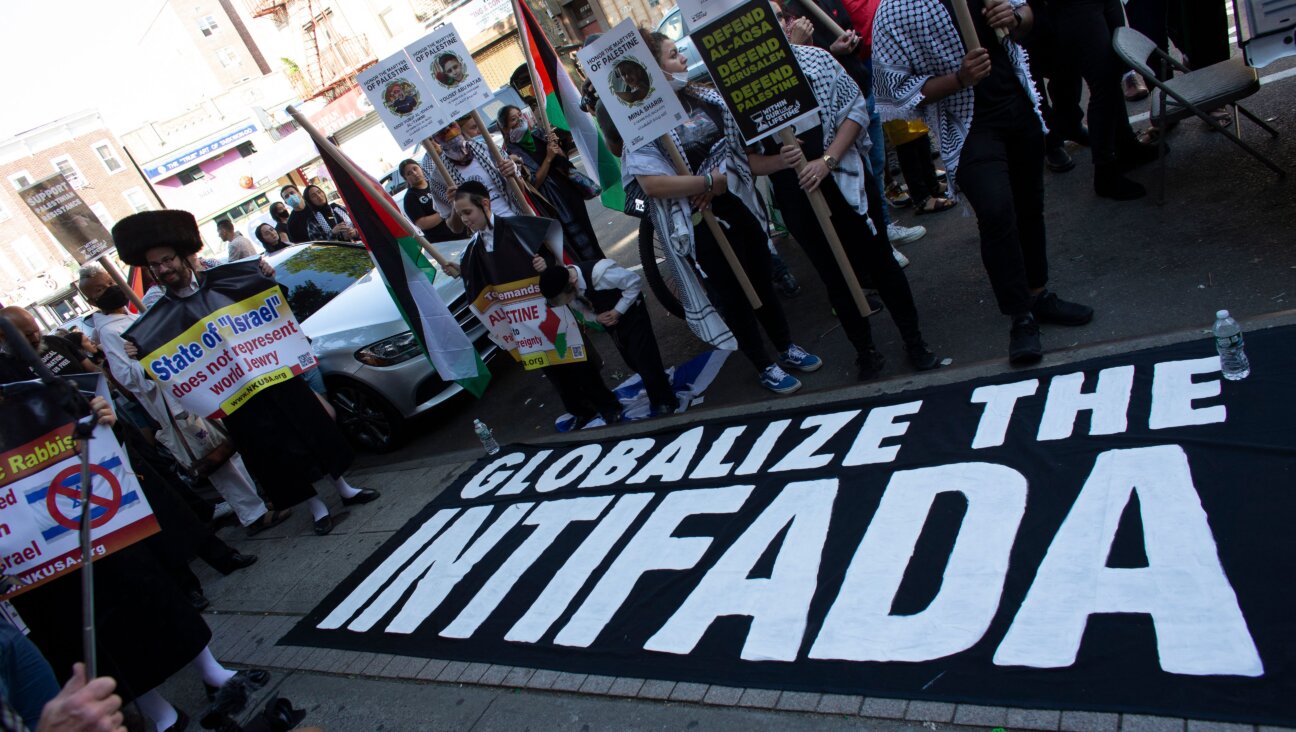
column 672, row 26
column 316, row 274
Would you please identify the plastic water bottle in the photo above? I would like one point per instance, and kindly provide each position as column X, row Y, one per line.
column 487, row 439
column 1228, row 341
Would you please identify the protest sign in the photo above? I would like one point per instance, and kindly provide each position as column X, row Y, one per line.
column 635, row 91
column 451, row 74
column 753, row 68
column 697, row 13
column 404, row 102
column 213, row 350
column 505, row 294
column 1112, row 535
column 40, row 490
column 60, row 208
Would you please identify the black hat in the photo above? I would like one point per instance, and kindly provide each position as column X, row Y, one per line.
column 553, row 281
column 475, row 187
column 136, row 234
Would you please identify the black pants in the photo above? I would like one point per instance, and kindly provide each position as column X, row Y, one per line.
column 633, row 336
column 1199, row 29
column 748, row 240
column 1060, row 97
column 1084, row 29
column 1001, row 171
column 918, row 169
column 868, row 253
column 581, row 388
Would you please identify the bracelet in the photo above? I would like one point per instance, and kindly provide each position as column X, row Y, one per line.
column 709, row 183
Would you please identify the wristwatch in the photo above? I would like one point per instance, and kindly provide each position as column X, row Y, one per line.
column 831, row 162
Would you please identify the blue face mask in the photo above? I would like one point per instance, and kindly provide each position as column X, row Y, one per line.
column 293, row 201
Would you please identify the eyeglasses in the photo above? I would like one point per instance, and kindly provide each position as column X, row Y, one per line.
column 167, row 261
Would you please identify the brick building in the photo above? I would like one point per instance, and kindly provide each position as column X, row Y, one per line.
column 35, row 271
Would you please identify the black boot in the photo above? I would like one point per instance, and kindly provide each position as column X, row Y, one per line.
column 1109, row 182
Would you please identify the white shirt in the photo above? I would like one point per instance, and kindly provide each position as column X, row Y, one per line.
column 241, row 247
column 474, row 170
column 608, row 275
column 127, row 371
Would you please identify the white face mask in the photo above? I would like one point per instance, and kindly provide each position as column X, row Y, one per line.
column 678, row 80
column 517, row 133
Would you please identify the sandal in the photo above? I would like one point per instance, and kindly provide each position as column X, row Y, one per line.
column 898, row 196
column 269, row 521
column 933, row 204
column 1221, row 116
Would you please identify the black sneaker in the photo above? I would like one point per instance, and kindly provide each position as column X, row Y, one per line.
column 921, row 357
column 1059, row 160
column 1049, row 308
column 870, row 364
column 1024, row 345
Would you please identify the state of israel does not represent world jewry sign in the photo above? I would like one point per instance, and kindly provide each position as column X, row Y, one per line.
column 1110, row 535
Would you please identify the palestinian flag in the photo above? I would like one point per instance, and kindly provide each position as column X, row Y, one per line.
column 559, row 102
column 409, row 277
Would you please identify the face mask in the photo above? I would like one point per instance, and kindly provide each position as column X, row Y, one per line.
column 457, row 150
column 113, row 298
column 293, row 201
column 678, row 80
column 517, row 133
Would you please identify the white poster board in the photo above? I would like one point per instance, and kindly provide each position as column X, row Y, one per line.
column 403, row 99
column 451, row 74
column 697, row 13
column 634, row 89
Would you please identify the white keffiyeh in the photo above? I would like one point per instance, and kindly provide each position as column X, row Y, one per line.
column 915, row 40
column 479, row 153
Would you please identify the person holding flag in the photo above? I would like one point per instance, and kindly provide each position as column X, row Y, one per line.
column 552, row 174
column 837, row 150
column 558, row 101
column 502, row 250
column 721, row 181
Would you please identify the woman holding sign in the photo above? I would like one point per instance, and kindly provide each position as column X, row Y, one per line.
column 837, row 154
column 722, row 182
column 551, row 173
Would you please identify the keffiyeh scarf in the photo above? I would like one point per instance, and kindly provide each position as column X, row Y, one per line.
column 839, row 99
column 673, row 217
column 479, row 152
column 914, row 40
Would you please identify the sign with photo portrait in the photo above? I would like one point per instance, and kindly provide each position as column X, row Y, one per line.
column 452, row 75
column 634, row 89
column 404, row 102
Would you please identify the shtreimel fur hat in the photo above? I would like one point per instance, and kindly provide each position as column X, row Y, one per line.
column 136, row 234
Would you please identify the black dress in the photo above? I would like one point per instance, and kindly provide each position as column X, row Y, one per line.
column 567, row 199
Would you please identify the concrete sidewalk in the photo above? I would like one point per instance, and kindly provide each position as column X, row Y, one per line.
column 252, row 609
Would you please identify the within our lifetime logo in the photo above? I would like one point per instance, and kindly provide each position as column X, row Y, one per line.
column 630, row 82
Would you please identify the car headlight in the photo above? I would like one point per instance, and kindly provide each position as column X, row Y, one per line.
column 390, row 351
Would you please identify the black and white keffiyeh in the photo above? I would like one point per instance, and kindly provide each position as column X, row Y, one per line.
column 914, row 40
column 673, row 217
column 479, row 152
column 320, row 225
column 839, row 99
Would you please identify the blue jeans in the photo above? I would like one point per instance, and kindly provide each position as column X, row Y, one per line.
column 27, row 682
column 877, row 154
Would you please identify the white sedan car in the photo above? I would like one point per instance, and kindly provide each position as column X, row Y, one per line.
column 376, row 373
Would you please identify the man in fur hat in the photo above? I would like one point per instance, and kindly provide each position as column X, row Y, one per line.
column 308, row 452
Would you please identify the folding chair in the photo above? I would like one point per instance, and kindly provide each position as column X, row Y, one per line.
column 1191, row 93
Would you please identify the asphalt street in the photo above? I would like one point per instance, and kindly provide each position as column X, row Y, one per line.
column 1222, row 239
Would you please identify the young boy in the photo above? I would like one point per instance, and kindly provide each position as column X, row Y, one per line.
column 502, row 251
column 605, row 291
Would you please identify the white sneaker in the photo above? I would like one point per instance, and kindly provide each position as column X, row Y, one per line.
column 904, row 234
column 901, row 259
column 221, row 510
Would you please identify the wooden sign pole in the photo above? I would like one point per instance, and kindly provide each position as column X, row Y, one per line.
column 375, row 193
column 523, row 203
column 820, row 206
column 966, row 29
column 117, row 277
column 682, row 168
column 430, row 147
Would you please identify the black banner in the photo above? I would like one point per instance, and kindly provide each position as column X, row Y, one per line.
column 753, row 68
column 1108, row 535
